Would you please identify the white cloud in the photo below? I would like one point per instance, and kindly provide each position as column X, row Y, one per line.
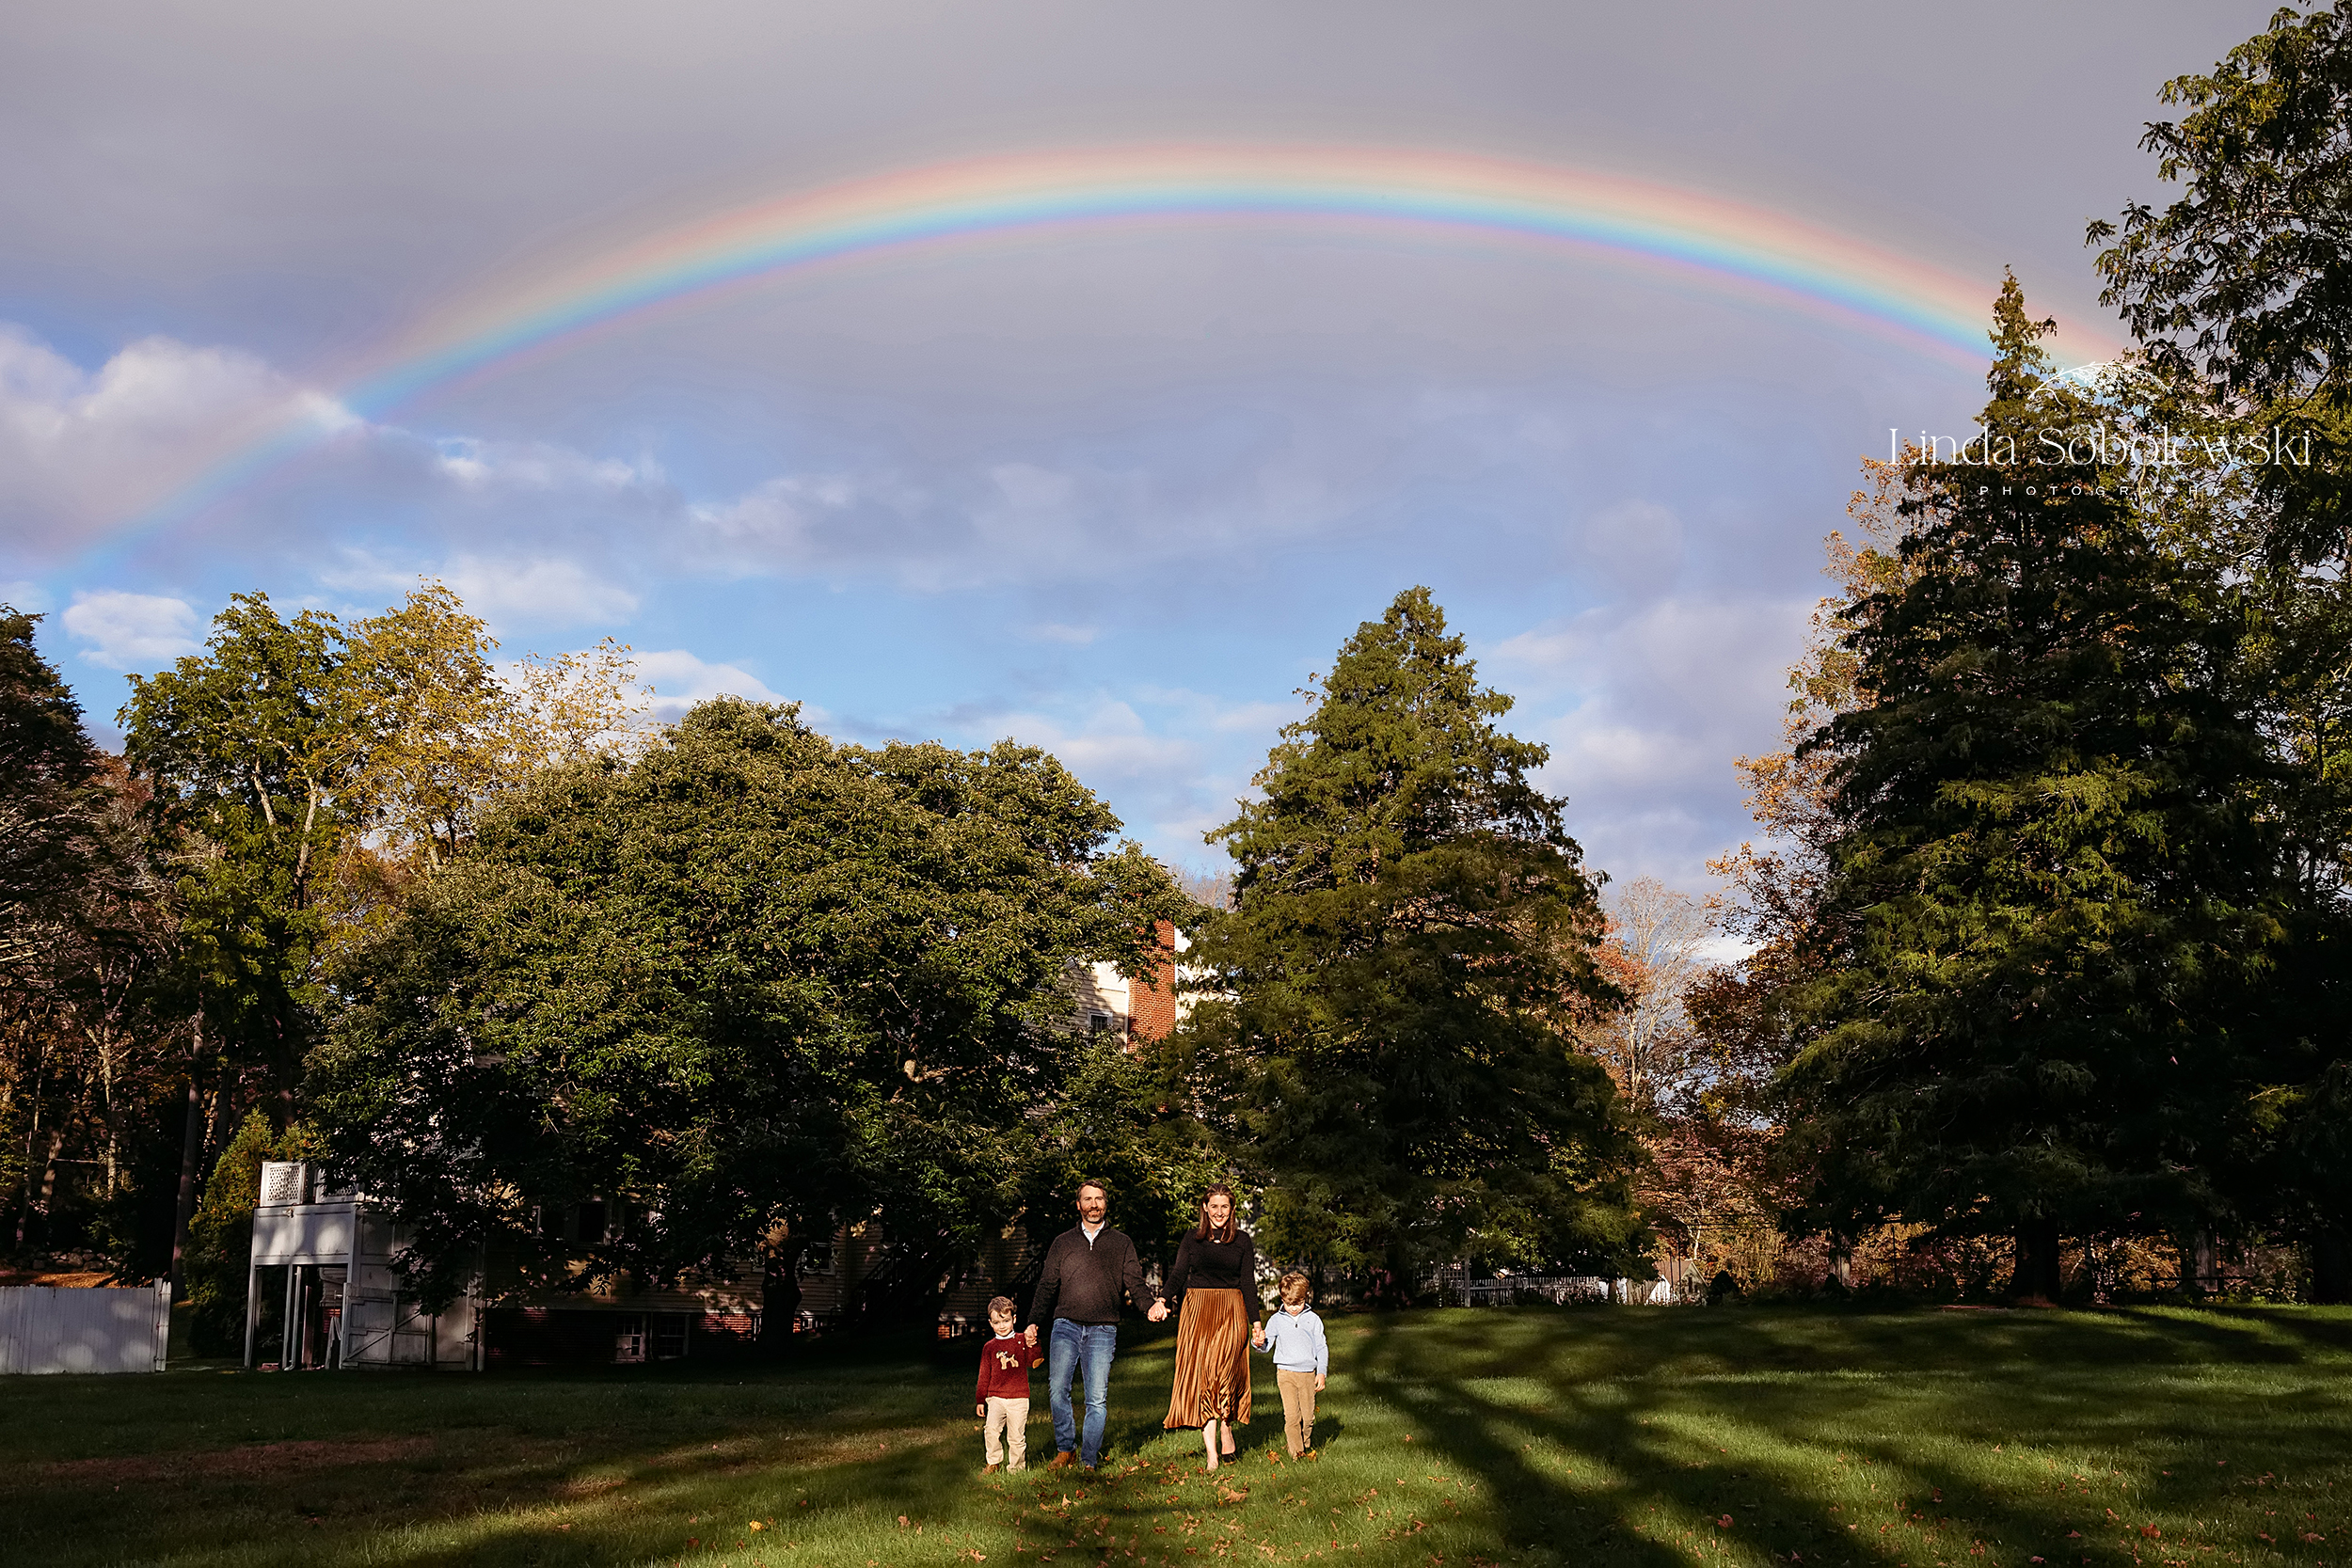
column 538, row 590
column 544, row 589
column 1109, row 744
column 541, row 465
column 81, row 451
column 1648, row 706
column 27, row 597
column 1054, row 631
column 680, row 679
column 131, row 631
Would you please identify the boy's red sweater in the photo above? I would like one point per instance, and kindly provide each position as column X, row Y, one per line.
column 1005, row 1363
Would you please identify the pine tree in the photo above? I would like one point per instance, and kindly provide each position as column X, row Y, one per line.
column 2053, row 895
column 1392, row 991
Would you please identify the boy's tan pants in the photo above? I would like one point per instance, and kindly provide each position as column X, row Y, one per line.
column 1298, row 1410
column 1007, row 1419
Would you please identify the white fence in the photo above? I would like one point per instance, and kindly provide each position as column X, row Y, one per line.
column 1453, row 1289
column 52, row 1328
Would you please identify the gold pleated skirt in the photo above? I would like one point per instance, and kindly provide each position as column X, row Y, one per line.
column 1211, row 1360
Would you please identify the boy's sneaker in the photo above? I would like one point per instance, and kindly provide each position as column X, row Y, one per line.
column 992, row 1469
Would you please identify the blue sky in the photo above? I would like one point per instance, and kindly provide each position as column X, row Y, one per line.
column 1118, row 495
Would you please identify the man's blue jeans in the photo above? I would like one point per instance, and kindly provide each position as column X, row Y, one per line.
column 1076, row 1347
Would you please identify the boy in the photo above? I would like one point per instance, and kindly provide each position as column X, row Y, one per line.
column 1002, row 1394
column 1294, row 1336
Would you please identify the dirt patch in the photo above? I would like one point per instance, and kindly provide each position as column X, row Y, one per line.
column 253, row 1461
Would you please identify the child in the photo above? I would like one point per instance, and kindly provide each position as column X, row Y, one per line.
column 1294, row 1336
column 1003, row 1391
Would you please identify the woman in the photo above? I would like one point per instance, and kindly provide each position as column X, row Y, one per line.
column 1215, row 1284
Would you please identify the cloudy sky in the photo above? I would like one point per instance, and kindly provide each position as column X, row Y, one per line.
column 1117, row 490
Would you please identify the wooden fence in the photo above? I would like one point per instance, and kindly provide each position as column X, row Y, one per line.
column 52, row 1328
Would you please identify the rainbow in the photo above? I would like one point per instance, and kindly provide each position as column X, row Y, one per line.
column 1676, row 236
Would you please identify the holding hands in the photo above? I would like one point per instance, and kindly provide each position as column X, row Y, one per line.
column 1257, row 1336
column 1032, row 1333
column 1157, row 1311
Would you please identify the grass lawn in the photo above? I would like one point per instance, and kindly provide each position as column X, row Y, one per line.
column 1641, row 1438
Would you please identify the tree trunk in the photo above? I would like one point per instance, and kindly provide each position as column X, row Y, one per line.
column 2331, row 1266
column 24, row 1201
column 2201, row 1271
column 191, row 1148
column 112, row 1157
column 2037, row 1275
column 780, row 1296
column 216, row 1136
column 49, row 1184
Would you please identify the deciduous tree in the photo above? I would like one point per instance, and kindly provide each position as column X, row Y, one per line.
column 737, row 988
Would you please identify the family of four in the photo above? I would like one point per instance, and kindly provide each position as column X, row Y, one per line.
column 1090, row 1269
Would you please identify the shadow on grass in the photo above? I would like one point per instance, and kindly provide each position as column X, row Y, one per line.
column 1920, row 1440
column 1833, row 1439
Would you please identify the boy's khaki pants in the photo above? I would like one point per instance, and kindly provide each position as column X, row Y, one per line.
column 1008, row 1420
column 1298, row 1409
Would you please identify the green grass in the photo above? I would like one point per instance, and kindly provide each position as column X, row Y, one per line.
column 1644, row 1439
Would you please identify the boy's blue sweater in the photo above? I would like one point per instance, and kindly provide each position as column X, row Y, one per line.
column 1294, row 1339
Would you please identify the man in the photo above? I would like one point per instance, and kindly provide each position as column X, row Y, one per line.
column 1089, row 1269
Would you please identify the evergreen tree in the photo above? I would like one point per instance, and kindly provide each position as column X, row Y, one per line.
column 1389, row 998
column 2053, row 896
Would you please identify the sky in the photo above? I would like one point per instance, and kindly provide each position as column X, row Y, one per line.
column 319, row 300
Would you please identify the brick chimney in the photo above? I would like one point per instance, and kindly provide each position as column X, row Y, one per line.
column 1152, row 1004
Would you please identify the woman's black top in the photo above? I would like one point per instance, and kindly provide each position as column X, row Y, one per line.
column 1205, row 1265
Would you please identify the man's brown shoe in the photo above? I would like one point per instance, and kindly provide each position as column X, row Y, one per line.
column 1061, row 1461
column 992, row 1469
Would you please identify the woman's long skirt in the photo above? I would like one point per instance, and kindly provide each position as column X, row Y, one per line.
column 1211, row 1360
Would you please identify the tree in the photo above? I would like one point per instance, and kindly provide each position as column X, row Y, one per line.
column 1654, row 953
column 80, row 936
column 1387, row 1007
column 299, row 772
column 448, row 731
column 2052, row 898
column 2245, row 282
column 738, row 988
column 220, row 1233
column 252, row 750
column 2240, row 292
